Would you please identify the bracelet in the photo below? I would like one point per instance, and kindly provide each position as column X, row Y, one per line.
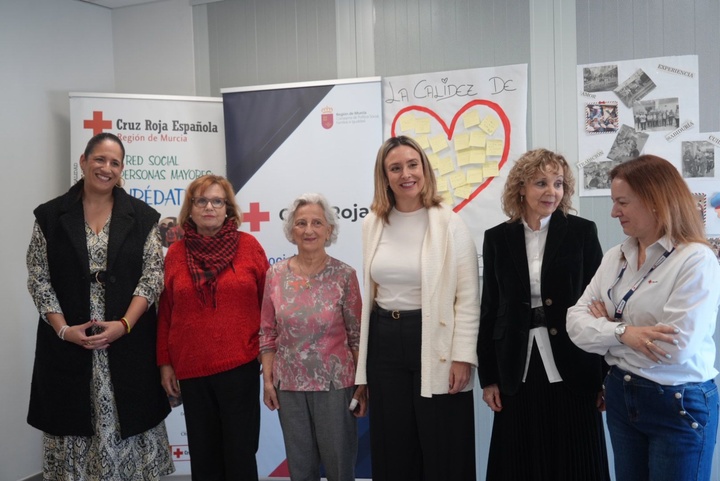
column 61, row 332
column 126, row 324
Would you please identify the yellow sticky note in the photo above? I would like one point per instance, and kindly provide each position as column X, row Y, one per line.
column 462, row 142
column 422, row 125
column 477, row 156
column 463, row 192
column 490, row 169
column 495, row 147
column 442, row 184
column 475, row 176
column 477, row 139
column 445, row 165
column 489, row 124
column 471, row 118
column 438, row 143
column 423, row 141
column 447, row 198
column 463, row 158
column 407, row 122
column 458, row 179
column 434, row 160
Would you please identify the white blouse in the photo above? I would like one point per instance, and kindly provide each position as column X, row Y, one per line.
column 683, row 292
column 535, row 248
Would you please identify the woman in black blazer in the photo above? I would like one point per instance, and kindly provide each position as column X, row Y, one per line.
column 546, row 392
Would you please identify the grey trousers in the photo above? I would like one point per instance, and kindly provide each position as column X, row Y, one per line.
column 319, row 428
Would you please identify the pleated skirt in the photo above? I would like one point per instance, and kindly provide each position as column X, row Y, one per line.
column 546, row 432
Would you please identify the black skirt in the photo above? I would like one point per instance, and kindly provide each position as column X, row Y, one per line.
column 546, row 432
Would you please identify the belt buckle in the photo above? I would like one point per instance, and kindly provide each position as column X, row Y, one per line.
column 395, row 314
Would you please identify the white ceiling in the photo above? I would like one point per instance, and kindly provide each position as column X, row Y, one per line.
column 118, row 3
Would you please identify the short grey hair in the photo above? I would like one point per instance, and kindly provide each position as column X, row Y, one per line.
column 309, row 199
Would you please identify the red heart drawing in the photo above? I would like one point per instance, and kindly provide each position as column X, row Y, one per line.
column 449, row 131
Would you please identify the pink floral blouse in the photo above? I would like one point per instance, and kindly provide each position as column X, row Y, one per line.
column 312, row 325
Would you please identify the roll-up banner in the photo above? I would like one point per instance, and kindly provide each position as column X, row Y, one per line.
column 286, row 140
column 169, row 142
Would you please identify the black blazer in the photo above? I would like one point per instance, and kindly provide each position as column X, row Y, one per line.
column 572, row 255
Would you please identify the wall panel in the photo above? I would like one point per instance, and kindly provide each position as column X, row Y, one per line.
column 414, row 36
column 258, row 42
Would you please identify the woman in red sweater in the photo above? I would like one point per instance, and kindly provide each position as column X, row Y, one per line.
column 208, row 327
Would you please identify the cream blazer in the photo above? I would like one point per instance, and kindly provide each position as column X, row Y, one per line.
column 450, row 298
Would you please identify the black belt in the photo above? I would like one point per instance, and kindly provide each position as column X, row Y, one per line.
column 537, row 317
column 395, row 314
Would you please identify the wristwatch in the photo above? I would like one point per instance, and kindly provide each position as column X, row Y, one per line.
column 619, row 331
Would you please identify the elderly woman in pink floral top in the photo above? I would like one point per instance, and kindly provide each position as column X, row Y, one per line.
column 309, row 337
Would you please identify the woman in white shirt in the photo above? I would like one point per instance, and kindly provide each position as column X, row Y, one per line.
column 651, row 311
column 419, row 324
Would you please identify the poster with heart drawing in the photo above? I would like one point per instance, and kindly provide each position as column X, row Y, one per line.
column 471, row 124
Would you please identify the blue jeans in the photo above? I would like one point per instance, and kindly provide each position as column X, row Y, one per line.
column 661, row 433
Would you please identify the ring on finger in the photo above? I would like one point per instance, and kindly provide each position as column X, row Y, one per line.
column 648, row 343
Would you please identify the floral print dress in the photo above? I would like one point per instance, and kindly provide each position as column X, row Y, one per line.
column 104, row 456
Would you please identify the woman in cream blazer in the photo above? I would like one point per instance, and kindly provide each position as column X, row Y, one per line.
column 419, row 325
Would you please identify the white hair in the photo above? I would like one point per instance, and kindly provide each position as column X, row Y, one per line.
column 311, row 199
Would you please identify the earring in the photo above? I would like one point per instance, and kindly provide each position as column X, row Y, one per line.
column 522, row 198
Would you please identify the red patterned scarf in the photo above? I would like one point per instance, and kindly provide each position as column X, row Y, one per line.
column 208, row 256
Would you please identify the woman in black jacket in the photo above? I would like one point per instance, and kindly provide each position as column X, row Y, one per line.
column 95, row 269
column 545, row 391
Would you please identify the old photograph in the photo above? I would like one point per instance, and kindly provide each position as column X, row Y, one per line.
column 596, row 175
column 601, row 117
column 698, row 159
column 700, row 199
column 628, row 144
column 636, row 87
column 600, row 79
column 715, row 246
column 657, row 114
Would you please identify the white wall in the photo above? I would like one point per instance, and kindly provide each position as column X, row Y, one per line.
column 47, row 48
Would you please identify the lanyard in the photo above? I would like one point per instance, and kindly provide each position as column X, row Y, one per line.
column 619, row 308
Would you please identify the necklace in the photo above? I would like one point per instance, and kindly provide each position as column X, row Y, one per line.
column 314, row 271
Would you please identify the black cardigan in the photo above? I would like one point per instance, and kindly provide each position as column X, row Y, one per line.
column 60, row 393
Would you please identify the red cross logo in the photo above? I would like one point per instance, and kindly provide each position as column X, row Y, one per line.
column 97, row 124
column 178, row 452
column 255, row 216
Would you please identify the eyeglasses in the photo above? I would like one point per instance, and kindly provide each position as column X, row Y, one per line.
column 202, row 202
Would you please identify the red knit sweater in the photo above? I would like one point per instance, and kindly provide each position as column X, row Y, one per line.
column 200, row 340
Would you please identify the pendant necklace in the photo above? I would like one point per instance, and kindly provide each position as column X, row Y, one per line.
column 305, row 273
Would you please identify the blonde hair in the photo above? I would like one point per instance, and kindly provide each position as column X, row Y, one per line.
column 200, row 185
column 530, row 164
column 384, row 199
column 662, row 190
